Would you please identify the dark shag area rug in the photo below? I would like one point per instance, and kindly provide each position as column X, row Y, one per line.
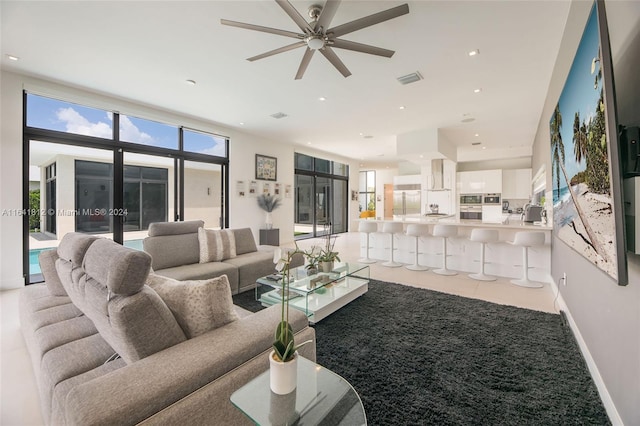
column 422, row 357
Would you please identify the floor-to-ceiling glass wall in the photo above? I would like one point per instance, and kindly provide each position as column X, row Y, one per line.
column 66, row 195
column 100, row 172
column 321, row 196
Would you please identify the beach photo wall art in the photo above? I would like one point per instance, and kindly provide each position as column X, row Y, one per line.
column 587, row 198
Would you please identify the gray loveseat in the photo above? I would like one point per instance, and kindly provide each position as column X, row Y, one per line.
column 175, row 250
column 107, row 350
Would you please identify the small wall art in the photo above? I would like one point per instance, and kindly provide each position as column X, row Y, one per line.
column 266, row 167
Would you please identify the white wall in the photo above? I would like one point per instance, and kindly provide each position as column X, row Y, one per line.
column 244, row 212
column 605, row 316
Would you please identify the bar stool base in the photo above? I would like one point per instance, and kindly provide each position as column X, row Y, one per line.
column 366, row 260
column 482, row 277
column 445, row 272
column 391, row 264
column 527, row 283
column 417, row 268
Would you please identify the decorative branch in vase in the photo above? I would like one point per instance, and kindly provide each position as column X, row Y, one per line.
column 268, row 203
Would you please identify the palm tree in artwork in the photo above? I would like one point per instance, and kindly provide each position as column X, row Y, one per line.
column 579, row 139
column 557, row 152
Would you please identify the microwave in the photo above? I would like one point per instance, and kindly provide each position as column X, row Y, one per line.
column 491, row 199
column 470, row 199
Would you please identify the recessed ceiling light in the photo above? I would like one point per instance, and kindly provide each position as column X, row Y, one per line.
column 361, row 134
column 484, row 147
column 477, row 90
column 13, row 58
column 477, row 134
column 242, row 123
column 191, row 82
column 421, row 156
column 474, row 52
column 322, row 98
column 402, row 107
column 308, row 143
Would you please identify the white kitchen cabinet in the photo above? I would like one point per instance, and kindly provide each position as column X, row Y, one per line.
column 516, row 184
column 492, row 181
column 480, row 182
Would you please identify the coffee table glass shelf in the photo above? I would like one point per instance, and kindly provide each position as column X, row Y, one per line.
column 318, row 295
column 321, row 397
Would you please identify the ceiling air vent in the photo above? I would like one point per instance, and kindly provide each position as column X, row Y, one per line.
column 410, row 78
column 279, row 115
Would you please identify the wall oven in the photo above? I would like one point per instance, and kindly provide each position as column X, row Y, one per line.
column 491, row 199
column 470, row 199
column 470, row 211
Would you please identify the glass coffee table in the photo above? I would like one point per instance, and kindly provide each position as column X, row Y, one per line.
column 318, row 295
column 321, row 398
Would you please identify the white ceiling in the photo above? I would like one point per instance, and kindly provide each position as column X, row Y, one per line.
column 145, row 51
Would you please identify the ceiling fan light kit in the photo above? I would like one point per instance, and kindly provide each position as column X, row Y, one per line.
column 317, row 35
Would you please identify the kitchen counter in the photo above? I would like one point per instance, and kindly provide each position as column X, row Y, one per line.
column 452, row 220
column 503, row 258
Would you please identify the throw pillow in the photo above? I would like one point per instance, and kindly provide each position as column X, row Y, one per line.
column 198, row 305
column 216, row 245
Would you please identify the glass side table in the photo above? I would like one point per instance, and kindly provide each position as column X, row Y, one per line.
column 317, row 295
column 321, row 397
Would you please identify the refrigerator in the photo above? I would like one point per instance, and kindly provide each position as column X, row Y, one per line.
column 407, row 201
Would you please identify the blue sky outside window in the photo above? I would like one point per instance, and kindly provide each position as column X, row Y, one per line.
column 204, row 143
column 52, row 114
column 147, row 132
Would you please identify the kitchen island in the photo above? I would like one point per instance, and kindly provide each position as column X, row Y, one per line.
column 503, row 258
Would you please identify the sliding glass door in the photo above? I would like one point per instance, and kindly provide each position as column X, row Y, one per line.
column 320, row 197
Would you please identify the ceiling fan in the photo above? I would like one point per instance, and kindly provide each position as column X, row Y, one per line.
column 316, row 35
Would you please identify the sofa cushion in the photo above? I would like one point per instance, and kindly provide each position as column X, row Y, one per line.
column 168, row 251
column 199, row 305
column 157, row 229
column 123, row 270
column 73, row 247
column 245, row 243
column 216, row 244
column 203, row 271
column 47, row 260
column 130, row 316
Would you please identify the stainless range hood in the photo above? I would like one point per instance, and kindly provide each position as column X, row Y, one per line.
column 437, row 175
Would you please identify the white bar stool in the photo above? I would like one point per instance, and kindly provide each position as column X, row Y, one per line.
column 527, row 239
column 367, row 228
column 445, row 231
column 483, row 236
column 417, row 231
column 392, row 228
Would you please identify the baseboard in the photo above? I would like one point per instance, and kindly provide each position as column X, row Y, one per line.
column 12, row 284
column 609, row 406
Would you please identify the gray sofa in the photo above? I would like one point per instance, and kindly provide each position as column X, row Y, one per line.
column 175, row 250
column 106, row 349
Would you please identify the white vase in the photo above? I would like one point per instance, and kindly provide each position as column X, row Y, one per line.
column 326, row 266
column 268, row 223
column 283, row 376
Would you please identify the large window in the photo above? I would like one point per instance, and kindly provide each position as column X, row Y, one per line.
column 367, row 192
column 106, row 173
column 320, row 196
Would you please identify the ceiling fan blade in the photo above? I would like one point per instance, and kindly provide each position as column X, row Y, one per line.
column 335, row 61
column 305, row 63
column 327, row 14
column 368, row 21
column 364, row 48
column 276, row 51
column 295, row 15
column 261, row 28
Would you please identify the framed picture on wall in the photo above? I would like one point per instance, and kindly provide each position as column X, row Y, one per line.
column 266, row 167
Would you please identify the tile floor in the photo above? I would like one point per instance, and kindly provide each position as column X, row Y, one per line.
column 19, row 404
